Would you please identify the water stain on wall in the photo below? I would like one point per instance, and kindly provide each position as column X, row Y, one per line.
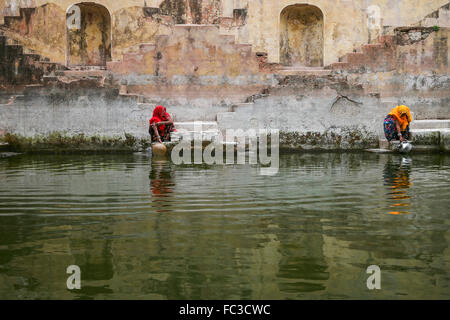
column 91, row 44
column 191, row 11
column 301, row 38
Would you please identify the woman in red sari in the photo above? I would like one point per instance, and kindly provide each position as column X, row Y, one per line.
column 161, row 125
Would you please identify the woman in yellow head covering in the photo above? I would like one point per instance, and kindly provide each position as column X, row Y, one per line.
column 396, row 124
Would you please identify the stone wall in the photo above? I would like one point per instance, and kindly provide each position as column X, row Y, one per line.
column 42, row 29
column 199, row 73
column 345, row 23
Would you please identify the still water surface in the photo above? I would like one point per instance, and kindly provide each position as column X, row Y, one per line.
column 143, row 229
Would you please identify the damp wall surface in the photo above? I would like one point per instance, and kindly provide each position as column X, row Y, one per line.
column 198, row 73
column 312, row 113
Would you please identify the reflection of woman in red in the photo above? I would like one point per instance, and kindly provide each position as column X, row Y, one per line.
column 160, row 179
column 161, row 125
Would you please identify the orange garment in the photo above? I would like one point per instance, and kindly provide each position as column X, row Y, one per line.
column 398, row 112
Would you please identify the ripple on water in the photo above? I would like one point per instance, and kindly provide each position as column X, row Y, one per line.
column 221, row 232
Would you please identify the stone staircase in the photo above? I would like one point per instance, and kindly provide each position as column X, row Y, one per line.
column 20, row 65
column 431, row 134
column 439, row 18
column 20, row 68
column 380, row 55
column 301, row 70
column 194, row 50
column 18, row 15
column 376, row 57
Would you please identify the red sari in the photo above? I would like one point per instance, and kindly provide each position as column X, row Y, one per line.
column 160, row 115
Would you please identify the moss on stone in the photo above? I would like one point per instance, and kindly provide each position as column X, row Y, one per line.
column 339, row 139
column 61, row 142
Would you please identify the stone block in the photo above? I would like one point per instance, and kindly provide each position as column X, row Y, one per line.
column 445, row 140
column 425, row 140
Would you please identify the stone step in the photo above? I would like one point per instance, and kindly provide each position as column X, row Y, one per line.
column 191, row 126
column 384, row 144
column 440, row 18
column 423, row 140
column 242, row 107
column 314, row 71
column 354, row 58
column 210, row 135
column 426, row 139
column 371, row 48
column 50, row 67
column 430, row 124
column 81, row 74
column 386, row 40
column 338, row 66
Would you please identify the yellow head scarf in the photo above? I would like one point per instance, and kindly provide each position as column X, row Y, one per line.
column 398, row 112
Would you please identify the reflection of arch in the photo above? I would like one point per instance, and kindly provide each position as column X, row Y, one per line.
column 301, row 35
column 89, row 40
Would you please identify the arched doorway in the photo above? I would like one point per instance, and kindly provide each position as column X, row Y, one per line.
column 88, row 35
column 301, row 36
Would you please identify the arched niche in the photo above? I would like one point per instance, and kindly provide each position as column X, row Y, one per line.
column 88, row 35
column 301, row 36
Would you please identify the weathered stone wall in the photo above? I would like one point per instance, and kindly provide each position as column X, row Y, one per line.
column 256, row 22
column 345, row 22
column 339, row 112
column 192, row 11
column 134, row 26
column 11, row 7
column 200, row 74
column 42, row 29
column 423, row 50
column 190, row 51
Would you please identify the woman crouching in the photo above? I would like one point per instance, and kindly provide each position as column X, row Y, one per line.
column 161, row 125
column 396, row 124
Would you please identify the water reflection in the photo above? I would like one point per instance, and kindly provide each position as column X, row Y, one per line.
column 397, row 178
column 161, row 178
column 146, row 229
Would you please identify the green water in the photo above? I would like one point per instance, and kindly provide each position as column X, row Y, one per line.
column 153, row 230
